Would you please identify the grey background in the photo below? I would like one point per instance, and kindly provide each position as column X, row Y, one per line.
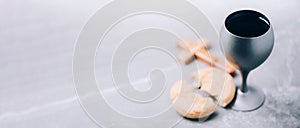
column 36, row 46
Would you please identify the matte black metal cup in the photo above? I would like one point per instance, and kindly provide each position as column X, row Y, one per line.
column 247, row 40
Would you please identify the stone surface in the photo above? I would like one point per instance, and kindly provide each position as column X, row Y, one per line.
column 36, row 47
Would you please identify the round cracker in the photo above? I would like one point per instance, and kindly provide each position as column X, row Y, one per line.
column 218, row 83
column 194, row 106
column 190, row 104
column 180, row 87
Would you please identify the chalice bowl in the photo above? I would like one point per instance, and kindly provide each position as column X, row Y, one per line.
column 247, row 40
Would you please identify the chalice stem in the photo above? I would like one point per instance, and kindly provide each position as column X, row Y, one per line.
column 244, row 87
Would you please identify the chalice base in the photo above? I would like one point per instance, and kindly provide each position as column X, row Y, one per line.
column 249, row 101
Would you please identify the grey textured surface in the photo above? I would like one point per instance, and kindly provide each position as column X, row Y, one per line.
column 36, row 47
